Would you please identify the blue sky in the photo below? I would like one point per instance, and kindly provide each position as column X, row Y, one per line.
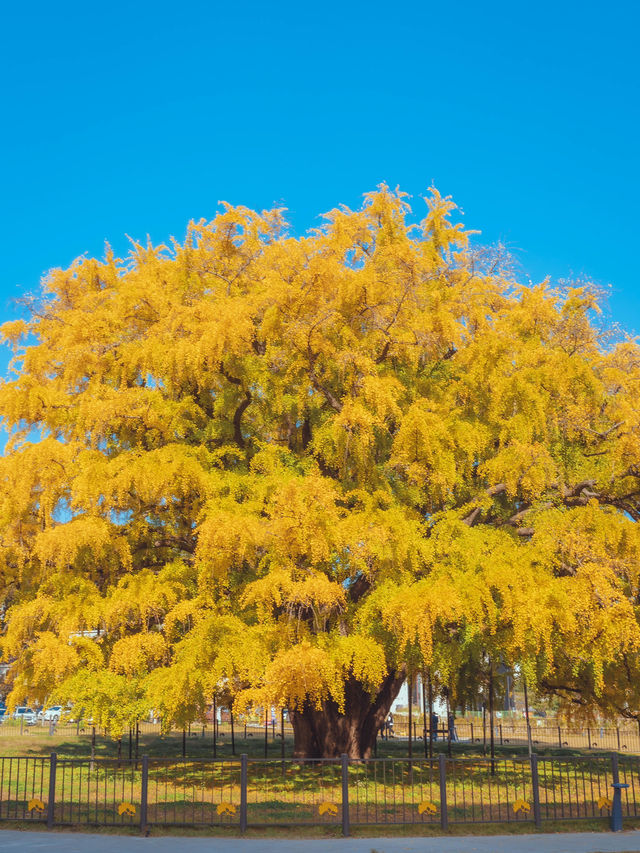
column 134, row 118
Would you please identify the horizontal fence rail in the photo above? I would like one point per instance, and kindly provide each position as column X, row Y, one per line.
column 288, row 792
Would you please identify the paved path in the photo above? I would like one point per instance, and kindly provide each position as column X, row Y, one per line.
column 12, row 841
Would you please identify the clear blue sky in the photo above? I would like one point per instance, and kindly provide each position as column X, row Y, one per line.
column 132, row 118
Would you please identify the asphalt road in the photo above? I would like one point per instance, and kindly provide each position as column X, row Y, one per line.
column 12, row 841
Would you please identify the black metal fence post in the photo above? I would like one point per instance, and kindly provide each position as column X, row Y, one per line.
column 535, row 788
column 243, row 792
column 144, row 794
column 444, row 817
column 51, row 804
column 345, row 795
column 616, row 809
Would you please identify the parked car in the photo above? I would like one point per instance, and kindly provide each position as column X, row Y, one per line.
column 26, row 714
column 50, row 715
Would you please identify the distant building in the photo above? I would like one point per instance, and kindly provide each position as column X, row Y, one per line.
column 401, row 701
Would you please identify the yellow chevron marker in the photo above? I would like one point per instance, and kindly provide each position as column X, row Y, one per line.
column 36, row 804
column 521, row 806
column 226, row 808
column 604, row 803
column 328, row 808
column 127, row 808
column 429, row 808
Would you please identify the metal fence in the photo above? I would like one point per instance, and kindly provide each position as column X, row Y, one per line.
column 250, row 792
column 624, row 738
column 249, row 729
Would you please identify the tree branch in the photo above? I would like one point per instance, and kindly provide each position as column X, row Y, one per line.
column 475, row 512
column 244, row 405
column 326, row 392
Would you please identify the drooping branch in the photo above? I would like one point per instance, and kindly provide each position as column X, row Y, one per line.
column 322, row 388
column 383, row 354
column 237, row 418
column 315, row 380
column 244, row 405
column 560, row 689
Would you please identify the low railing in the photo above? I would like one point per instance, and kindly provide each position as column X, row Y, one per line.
column 250, row 792
column 620, row 738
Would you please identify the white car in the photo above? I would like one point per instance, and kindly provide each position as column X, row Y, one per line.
column 22, row 712
column 51, row 715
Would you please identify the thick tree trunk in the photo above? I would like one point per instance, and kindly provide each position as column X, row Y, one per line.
column 326, row 733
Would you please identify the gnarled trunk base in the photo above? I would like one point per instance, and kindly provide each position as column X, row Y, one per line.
column 326, row 733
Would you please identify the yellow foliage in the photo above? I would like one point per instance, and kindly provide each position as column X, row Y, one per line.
column 137, row 654
column 272, row 467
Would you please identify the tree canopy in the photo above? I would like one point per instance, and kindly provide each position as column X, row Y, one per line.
column 293, row 469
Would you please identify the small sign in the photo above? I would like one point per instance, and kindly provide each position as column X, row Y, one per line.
column 127, row 808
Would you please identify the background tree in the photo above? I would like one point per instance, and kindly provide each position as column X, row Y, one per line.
column 292, row 465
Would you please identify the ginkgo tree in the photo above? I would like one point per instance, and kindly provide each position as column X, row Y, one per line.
column 289, row 470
